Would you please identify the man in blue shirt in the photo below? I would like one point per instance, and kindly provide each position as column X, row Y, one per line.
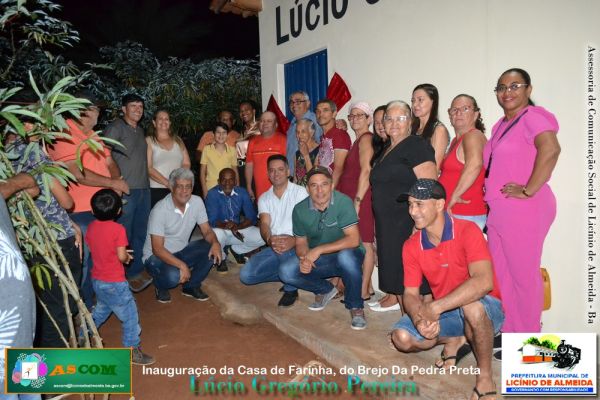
column 300, row 105
column 232, row 216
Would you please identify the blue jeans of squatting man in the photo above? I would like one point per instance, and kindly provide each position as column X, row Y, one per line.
column 346, row 264
column 195, row 255
column 264, row 267
column 116, row 297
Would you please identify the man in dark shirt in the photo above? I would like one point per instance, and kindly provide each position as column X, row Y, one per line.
column 225, row 204
column 133, row 163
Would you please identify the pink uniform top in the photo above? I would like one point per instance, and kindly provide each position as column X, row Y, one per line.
column 513, row 154
column 451, row 169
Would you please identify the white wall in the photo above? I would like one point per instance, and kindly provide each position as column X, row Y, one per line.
column 385, row 49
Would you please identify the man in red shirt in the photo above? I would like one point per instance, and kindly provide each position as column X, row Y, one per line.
column 453, row 255
column 261, row 147
column 335, row 143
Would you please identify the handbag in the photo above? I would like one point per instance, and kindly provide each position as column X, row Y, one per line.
column 547, row 288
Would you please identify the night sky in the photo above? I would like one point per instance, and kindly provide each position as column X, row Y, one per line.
column 180, row 28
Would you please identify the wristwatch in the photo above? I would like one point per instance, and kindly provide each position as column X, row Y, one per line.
column 524, row 191
column 357, row 199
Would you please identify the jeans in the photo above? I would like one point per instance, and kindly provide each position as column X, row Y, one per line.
column 136, row 210
column 264, row 267
column 116, row 297
column 347, row 264
column 452, row 323
column 195, row 255
column 23, row 396
column 84, row 219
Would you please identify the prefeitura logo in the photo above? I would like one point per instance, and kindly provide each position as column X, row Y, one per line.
column 550, row 348
column 30, row 370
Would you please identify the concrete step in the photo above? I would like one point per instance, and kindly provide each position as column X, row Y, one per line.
column 369, row 353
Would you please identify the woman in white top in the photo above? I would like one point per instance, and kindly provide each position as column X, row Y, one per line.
column 166, row 152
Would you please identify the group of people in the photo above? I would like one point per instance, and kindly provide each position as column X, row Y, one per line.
column 317, row 212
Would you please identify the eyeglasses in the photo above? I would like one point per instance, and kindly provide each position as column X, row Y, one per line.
column 462, row 110
column 390, row 120
column 356, row 116
column 296, row 102
column 511, row 88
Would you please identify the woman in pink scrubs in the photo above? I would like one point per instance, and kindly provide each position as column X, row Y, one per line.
column 519, row 160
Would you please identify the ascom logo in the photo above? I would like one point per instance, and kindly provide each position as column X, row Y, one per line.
column 92, row 369
column 30, row 370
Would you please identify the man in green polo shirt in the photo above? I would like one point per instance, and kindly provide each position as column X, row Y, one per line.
column 327, row 245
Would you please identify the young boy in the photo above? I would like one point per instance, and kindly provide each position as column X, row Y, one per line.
column 107, row 241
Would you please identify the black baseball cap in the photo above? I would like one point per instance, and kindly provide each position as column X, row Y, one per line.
column 424, row 189
column 318, row 170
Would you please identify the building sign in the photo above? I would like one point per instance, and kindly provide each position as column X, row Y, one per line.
column 309, row 15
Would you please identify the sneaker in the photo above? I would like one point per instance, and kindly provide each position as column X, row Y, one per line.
column 358, row 319
column 321, row 300
column 139, row 282
column 498, row 355
column 196, row 293
column 498, row 341
column 222, row 267
column 162, row 295
column 139, row 358
column 288, row 299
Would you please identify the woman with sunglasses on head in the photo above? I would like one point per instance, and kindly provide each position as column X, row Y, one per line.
column 425, row 101
column 462, row 172
column 519, row 160
column 405, row 159
column 354, row 183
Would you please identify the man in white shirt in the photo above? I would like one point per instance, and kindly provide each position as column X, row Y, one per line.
column 275, row 208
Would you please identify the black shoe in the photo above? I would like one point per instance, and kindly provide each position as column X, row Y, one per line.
column 288, row 299
column 195, row 293
column 222, row 267
column 498, row 355
column 162, row 295
column 239, row 258
column 498, row 341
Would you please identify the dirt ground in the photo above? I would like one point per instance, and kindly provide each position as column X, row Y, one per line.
column 192, row 334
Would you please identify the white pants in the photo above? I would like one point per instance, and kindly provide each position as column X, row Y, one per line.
column 252, row 239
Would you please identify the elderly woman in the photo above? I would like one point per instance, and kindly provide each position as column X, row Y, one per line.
column 462, row 172
column 166, row 152
column 519, row 160
column 307, row 152
column 425, row 101
column 405, row 159
column 354, row 182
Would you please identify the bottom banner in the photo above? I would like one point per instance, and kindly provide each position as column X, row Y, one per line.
column 68, row 370
column 549, row 364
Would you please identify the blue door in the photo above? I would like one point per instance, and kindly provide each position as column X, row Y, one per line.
column 308, row 74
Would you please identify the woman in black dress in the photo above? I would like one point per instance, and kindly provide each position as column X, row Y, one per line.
column 405, row 159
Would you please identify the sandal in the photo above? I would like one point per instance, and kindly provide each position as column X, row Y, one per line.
column 480, row 395
column 460, row 354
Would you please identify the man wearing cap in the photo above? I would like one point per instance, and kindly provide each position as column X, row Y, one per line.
column 453, row 255
column 133, row 163
column 299, row 103
column 327, row 245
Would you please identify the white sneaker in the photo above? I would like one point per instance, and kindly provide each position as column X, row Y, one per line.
column 378, row 308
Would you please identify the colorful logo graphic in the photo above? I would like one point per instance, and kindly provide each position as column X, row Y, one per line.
column 30, row 370
column 550, row 348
